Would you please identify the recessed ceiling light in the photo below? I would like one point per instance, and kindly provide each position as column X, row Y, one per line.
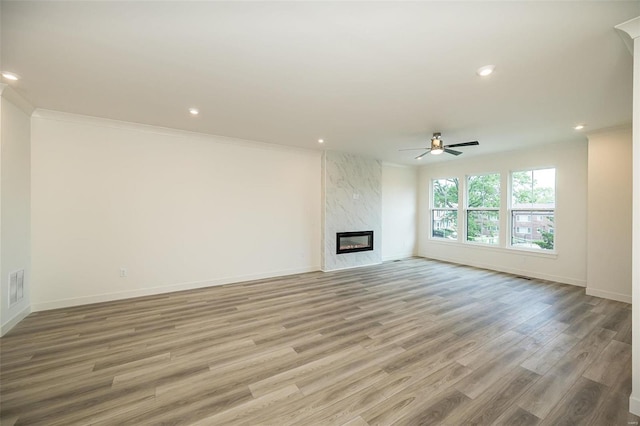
column 320, row 140
column 579, row 127
column 194, row 111
column 10, row 76
column 486, row 70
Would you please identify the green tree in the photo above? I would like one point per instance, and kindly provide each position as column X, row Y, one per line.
column 445, row 193
column 521, row 188
column 527, row 190
column 546, row 242
column 445, row 196
column 483, row 191
column 547, row 236
column 536, row 188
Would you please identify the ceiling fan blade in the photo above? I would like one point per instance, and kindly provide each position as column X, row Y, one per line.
column 462, row 144
column 423, row 154
column 451, row 151
column 411, row 149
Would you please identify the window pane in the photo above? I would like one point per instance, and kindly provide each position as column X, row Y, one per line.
column 484, row 191
column 535, row 233
column 483, row 226
column 445, row 193
column 444, row 224
column 534, row 188
column 521, row 188
column 544, row 188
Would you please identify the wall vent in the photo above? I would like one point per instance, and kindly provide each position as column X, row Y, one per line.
column 16, row 287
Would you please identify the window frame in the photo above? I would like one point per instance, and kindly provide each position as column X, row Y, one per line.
column 468, row 209
column 531, row 212
column 433, row 209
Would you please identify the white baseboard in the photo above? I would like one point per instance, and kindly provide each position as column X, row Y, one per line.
column 514, row 271
column 6, row 327
column 150, row 291
column 350, row 267
column 398, row 256
column 634, row 405
column 626, row 298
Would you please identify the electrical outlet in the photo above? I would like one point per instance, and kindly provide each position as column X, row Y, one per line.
column 13, row 288
column 123, row 272
column 20, row 284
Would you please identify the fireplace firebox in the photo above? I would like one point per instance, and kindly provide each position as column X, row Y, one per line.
column 349, row 242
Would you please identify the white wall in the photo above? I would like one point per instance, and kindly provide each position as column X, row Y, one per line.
column 399, row 211
column 568, row 265
column 15, row 206
column 176, row 209
column 352, row 201
column 609, row 215
column 631, row 28
column 634, row 399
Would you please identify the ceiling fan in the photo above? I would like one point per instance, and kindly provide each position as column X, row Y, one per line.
column 438, row 147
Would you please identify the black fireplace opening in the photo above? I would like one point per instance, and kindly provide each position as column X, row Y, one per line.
column 349, row 242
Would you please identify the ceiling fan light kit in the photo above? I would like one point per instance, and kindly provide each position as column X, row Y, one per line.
column 438, row 147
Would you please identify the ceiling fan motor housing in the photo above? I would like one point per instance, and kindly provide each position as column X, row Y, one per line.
column 437, row 143
column 438, row 147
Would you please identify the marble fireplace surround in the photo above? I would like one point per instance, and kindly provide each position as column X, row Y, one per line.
column 352, row 202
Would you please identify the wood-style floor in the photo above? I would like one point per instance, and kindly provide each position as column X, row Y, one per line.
column 415, row 342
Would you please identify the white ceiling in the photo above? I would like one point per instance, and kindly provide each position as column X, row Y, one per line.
column 368, row 77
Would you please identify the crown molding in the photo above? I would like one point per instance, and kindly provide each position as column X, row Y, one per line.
column 68, row 117
column 8, row 93
column 399, row 166
column 625, row 127
column 629, row 31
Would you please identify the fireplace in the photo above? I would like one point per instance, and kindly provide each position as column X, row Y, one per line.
column 349, row 242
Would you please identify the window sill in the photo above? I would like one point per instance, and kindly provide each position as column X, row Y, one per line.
column 497, row 249
column 547, row 253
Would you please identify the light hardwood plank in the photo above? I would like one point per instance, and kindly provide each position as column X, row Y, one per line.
column 410, row 342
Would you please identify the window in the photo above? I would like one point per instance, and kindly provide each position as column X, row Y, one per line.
column 533, row 203
column 444, row 212
column 483, row 208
